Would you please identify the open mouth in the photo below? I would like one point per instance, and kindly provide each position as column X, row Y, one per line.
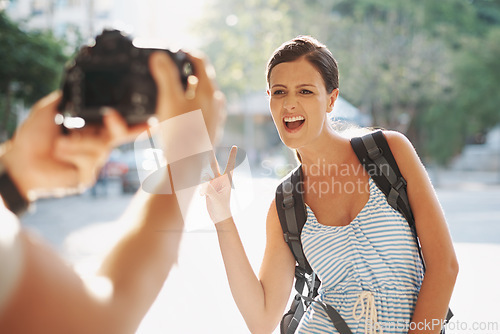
column 293, row 123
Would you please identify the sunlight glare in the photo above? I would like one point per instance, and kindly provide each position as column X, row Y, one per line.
column 168, row 21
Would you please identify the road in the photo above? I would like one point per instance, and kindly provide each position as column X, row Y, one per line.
column 196, row 297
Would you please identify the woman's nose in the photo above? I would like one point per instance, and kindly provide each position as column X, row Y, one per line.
column 289, row 103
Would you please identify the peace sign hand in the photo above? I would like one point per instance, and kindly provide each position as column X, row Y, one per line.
column 218, row 190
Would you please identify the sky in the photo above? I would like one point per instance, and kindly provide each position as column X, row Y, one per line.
column 163, row 20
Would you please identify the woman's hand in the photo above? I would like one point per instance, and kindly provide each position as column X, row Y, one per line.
column 218, row 190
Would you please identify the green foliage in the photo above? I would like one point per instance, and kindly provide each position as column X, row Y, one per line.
column 388, row 66
column 31, row 65
column 478, row 72
column 471, row 105
column 474, row 104
column 241, row 37
column 427, row 68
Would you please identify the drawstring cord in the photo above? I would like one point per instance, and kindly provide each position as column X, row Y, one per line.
column 367, row 302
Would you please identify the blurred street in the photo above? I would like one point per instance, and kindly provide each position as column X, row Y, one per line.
column 196, row 296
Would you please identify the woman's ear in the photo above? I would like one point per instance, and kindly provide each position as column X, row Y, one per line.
column 332, row 98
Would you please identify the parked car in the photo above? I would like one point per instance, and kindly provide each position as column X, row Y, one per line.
column 130, row 181
column 141, row 163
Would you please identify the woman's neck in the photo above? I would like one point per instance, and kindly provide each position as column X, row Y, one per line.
column 325, row 155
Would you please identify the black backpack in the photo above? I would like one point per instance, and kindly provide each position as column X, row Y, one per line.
column 375, row 155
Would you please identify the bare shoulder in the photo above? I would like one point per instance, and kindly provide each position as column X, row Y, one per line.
column 272, row 214
column 398, row 142
column 277, row 253
column 404, row 153
column 274, row 230
column 272, row 207
column 400, row 145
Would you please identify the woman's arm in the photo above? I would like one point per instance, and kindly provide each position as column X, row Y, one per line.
column 261, row 300
column 437, row 247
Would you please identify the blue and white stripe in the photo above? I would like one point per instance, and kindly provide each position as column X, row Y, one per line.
column 376, row 252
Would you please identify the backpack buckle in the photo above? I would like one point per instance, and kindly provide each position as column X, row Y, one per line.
column 400, row 184
column 288, row 202
column 300, row 273
column 375, row 153
column 290, row 237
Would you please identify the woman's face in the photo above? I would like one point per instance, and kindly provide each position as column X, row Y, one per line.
column 299, row 102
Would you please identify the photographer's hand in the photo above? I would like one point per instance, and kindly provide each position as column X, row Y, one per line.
column 174, row 101
column 142, row 260
column 44, row 162
column 134, row 271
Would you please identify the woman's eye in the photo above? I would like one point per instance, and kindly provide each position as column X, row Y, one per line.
column 305, row 91
column 278, row 92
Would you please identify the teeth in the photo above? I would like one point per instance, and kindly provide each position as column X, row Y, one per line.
column 293, row 118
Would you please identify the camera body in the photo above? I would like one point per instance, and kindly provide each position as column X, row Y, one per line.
column 114, row 73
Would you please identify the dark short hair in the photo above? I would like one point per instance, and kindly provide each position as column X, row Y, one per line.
column 315, row 52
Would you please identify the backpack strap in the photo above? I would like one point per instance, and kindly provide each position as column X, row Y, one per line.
column 292, row 214
column 375, row 155
column 338, row 322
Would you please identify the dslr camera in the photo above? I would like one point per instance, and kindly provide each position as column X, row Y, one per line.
column 113, row 73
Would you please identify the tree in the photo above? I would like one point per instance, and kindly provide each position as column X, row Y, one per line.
column 404, row 62
column 470, row 105
column 31, row 64
column 239, row 36
column 473, row 105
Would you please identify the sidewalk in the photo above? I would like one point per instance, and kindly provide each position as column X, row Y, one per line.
column 477, row 290
column 442, row 178
column 196, row 297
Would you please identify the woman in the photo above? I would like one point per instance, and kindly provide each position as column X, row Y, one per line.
column 346, row 235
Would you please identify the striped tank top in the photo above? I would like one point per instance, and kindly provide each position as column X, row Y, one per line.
column 370, row 270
